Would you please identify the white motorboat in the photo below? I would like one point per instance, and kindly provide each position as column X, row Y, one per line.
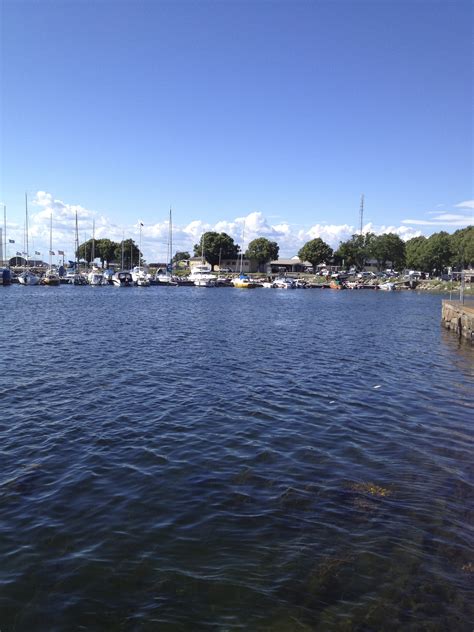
column 140, row 277
column 389, row 286
column 284, row 284
column 96, row 278
column 122, row 279
column 202, row 276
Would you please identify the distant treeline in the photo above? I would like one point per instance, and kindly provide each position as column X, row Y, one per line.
column 428, row 254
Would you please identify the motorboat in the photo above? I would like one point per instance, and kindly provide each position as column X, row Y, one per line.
column 96, row 278
column 123, row 278
column 284, row 284
column 140, row 277
column 202, row 276
column 388, row 286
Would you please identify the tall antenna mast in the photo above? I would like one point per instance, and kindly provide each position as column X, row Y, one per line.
column 361, row 213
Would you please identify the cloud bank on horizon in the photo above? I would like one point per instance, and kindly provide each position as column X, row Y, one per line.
column 290, row 237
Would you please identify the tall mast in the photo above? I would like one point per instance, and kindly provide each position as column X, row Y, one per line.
column 123, row 245
column 26, row 228
column 170, row 242
column 77, row 246
column 139, row 246
column 5, row 232
column 50, row 239
column 361, row 213
column 93, row 242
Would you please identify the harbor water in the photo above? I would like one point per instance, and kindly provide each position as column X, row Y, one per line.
column 191, row 459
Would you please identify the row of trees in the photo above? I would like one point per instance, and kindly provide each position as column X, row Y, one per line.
column 216, row 247
column 429, row 254
column 107, row 250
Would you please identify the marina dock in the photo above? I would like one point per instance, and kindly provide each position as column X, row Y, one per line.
column 459, row 317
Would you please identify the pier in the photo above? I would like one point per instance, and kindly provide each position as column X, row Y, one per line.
column 459, row 317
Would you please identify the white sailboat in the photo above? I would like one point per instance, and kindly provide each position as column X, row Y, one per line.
column 78, row 278
column 139, row 275
column 27, row 277
column 166, row 278
column 51, row 277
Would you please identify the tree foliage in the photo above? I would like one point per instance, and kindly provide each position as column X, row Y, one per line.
column 262, row 250
column 217, row 246
column 415, row 250
column 315, row 251
column 462, row 247
column 387, row 247
column 355, row 250
column 103, row 249
column 131, row 254
column 181, row 256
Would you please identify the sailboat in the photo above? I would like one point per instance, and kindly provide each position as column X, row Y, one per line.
column 95, row 276
column 78, row 278
column 243, row 281
column 27, row 277
column 165, row 278
column 139, row 275
column 51, row 277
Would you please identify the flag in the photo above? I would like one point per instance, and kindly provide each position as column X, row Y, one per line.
column 51, row 252
column 11, row 241
column 37, row 253
column 61, row 252
column 141, row 224
column 25, row 253
column 18, row 254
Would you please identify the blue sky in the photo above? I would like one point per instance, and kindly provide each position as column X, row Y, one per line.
column 273, row 114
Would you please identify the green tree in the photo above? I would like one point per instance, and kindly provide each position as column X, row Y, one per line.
column 131, row 254
column 217, row 246
column 262, row 250
column 355, row 250
column 416, row 254
column 462, row 247
column 181, row 256
column 84, row 251
column 438, row 252
column 387, row 247
column 105, row 249
column 315, row 251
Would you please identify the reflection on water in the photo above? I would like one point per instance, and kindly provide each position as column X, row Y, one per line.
column 191, row 459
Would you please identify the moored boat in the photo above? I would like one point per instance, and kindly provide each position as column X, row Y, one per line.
column 243, row 281
column 123, row 278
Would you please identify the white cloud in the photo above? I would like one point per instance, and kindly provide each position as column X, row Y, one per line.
column 466, row 204
column 289, row 236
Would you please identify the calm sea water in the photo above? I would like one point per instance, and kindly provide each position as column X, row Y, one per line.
column 187, row 459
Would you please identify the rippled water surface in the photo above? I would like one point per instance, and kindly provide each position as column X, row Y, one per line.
column 187, row 459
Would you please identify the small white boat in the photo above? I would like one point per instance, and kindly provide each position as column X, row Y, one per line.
column 284, row 284
column 389, row 286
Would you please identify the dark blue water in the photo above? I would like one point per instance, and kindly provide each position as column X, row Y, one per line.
column 187, row 459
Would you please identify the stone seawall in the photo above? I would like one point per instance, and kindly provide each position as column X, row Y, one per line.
column 459, row 318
